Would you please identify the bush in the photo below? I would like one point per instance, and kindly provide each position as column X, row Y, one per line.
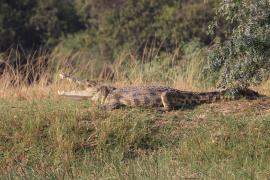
column 243, row 59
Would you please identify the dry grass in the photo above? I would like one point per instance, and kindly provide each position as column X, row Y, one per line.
column 38, row 77
column 62, row 139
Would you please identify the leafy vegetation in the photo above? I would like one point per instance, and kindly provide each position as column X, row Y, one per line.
column 137, row 26
column 110, row 24
column 244, row 58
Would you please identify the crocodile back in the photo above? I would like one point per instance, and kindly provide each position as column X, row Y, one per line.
column 138, row 95
column 152, row 96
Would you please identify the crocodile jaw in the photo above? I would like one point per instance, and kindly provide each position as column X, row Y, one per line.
column 95, row 96
column 77, row 94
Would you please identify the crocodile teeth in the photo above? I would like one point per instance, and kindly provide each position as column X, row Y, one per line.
column 61, row 92
column 62, row 76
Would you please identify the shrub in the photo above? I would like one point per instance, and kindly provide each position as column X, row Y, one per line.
column 244, row 59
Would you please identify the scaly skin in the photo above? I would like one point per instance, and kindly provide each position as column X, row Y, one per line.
column 164, row 98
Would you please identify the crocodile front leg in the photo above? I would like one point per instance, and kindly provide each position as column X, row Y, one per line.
column 111, row 102
column 111, row 107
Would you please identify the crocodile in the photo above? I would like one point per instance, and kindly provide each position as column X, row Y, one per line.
column 161, row 97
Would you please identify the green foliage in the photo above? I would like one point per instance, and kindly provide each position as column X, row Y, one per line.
column 111, row 26
column 36, row 23
column 244, row 59
column 138, row 25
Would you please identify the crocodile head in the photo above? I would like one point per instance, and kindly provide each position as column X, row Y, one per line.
column 92, row 90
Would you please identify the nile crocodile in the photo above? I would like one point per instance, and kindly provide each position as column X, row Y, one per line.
column 164, row 98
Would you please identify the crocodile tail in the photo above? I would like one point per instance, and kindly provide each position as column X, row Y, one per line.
column 238, row 93
column 88, row 83
column 215, row 96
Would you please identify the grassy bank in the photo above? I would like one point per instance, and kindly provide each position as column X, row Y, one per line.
column 75, row 139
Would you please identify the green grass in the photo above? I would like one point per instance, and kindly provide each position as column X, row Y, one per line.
column 58, row 139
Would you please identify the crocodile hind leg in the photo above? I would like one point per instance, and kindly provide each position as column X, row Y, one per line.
column 165, row 98
column 172, row 100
